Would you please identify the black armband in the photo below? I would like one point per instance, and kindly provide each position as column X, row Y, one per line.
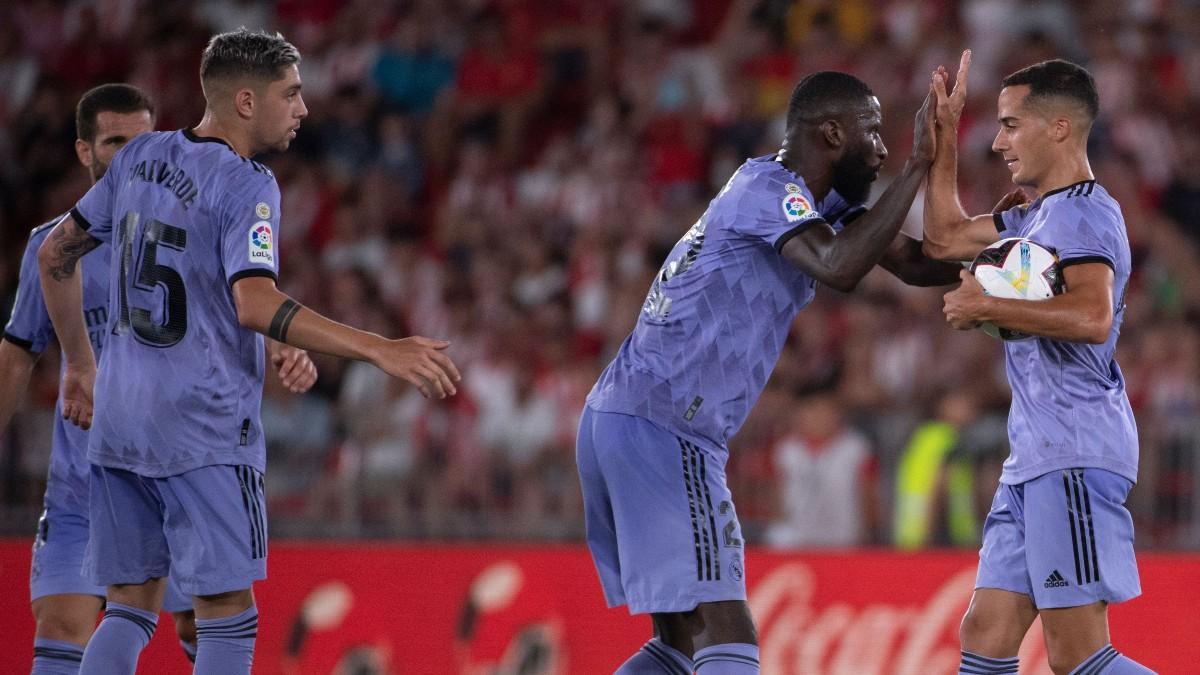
column 283, row 318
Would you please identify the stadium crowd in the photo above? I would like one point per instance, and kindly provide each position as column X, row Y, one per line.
column 509, row 174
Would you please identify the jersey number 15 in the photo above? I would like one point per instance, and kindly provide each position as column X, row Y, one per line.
column 151, row 274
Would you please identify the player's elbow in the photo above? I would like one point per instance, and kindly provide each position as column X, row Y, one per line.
column 249, row 314
column 935, row 250
column 1096, row 327
column 1097, row 332
column 45, row 254
column 842, row 282
column 249, row 317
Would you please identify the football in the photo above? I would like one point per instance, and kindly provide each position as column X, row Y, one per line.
column 1018, row 269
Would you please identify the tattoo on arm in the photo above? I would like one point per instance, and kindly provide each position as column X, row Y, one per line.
column 69, row 247
column 283, row 319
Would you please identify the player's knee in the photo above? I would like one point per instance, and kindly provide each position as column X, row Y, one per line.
column 185, row 626
column 981, row 634
column 223, row 604
column 1060, row 664
column 726, row 622
column 56, row 623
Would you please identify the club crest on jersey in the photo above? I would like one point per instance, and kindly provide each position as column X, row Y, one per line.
column 262, row 211
column 261, row 243
column 795, row 206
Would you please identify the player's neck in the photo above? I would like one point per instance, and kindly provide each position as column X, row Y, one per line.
column 817, row 177
column 1065, row 173
column 210, row 126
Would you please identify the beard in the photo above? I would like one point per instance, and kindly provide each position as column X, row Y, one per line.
column 852, row 178
column 97, row 169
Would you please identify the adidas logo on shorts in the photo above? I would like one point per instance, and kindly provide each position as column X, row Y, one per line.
column 1055, row 580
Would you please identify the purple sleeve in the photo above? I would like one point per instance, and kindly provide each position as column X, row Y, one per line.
column 94, row 211
column 774, row 210
column 29, row 326
column 250, row 231
column 1006, row 221
column 1080, row 232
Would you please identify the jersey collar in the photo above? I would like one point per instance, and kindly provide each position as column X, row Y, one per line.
column 191, row 136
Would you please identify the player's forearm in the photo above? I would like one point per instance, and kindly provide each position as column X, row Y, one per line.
column 905, row 260
column 282, row 319
column 1063, row 317
column 16, row 368
column 943, row 212
column 62, row 288
column 862, row 243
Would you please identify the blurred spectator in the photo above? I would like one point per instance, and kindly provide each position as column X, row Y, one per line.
column 935, row 491
column 826, row 475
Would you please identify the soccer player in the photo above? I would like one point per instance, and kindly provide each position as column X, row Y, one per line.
column 65, row 604
column 177, row 451
column 652, row 443
column 1058, row 540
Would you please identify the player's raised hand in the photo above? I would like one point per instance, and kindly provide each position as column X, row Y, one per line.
column 950, row 106
column 296, row 370
column 962, row 303
column 421, row 362
column 1014, row 198
column 78, row 383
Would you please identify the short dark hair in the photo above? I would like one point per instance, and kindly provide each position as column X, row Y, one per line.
column 241, row 53
column 118, row 98
column 823, row 94
column 1061, row 79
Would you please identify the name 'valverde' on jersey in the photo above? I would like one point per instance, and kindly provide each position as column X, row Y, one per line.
column 180, row 383
column 1069, row 406
column 30, row 328
column 720, row 308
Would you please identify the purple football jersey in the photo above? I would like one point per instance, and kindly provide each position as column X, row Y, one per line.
column 180, row 384
column 1069, row 406
column 719, row 309
column 29, row 327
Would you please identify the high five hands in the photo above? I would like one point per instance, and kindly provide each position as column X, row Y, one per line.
column 950, row 106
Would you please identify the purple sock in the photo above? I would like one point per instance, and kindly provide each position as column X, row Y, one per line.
column 735, row 658
column 974, row 664
column 1108, row 661
column 118, row 641
column 656, row 658
column 55, row 657
column 226, row 646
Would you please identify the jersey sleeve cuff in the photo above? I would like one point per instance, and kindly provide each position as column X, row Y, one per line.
column 1080, row 260
column 252, row 272
column 998, row 219
column 21, row 342
column 786, row 236
column 78, row 217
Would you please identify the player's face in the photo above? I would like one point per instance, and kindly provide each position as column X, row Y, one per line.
column 863, row 154
column 282, row 110
column 1024, row 137
column 113, row 131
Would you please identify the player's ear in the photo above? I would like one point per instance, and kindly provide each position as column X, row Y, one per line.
column 1060, row 128
column 243, row 102
column 833, row 133
column 83, row 150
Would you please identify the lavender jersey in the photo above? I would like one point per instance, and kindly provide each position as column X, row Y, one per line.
column 1069, row 407
column 30, row 328
column 718, row 311
column 180, row 383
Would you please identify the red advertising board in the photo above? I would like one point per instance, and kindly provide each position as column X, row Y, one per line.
column 476, row 610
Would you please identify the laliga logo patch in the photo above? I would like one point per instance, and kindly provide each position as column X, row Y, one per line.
column 260, row 243
column 795, row 206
